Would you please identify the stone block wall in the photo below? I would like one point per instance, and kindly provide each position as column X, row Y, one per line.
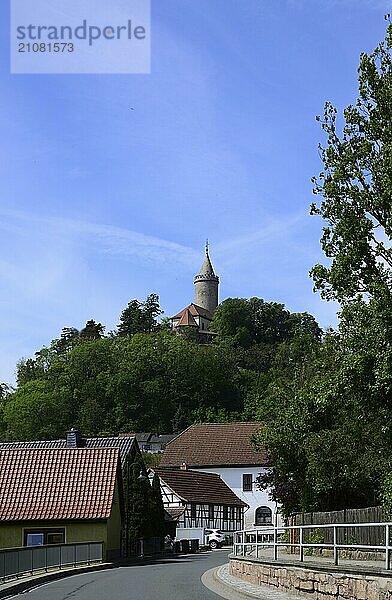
column 313, row 584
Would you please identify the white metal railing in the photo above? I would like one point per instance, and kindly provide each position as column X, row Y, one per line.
column 248, row 543
column 16, row 562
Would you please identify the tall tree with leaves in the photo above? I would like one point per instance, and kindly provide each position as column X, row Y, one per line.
column 138, row 501
column 330, row 430
column 69, row 338
column 92, row 331
column 144, row 512
column 356, row 187
column 157, row 506
column 140, row 317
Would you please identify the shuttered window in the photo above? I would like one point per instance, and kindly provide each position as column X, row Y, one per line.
column 247, row 482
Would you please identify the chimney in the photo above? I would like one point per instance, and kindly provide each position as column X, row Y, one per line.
column 74, row 439
column 183, row 466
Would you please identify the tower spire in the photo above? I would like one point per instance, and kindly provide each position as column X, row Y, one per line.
column 206, row 284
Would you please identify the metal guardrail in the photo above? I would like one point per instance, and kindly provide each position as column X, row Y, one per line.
column 16, row 562
column 248, row 543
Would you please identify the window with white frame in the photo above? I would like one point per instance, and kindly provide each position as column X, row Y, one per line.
column 263, row 515
column 43, row 537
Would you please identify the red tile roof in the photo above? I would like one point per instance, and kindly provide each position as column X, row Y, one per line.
column 203, row 488
column 196, row 311
column 52, row 484
column 214, row 444
column 187, row 320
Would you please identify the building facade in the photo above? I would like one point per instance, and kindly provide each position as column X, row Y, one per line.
column 61, row 496
column 195, row 499
column 225, row 449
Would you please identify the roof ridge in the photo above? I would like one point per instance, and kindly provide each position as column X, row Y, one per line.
column 65, row 449
column 229, row 423
column 178, row 435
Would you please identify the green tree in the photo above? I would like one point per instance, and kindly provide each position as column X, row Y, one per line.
column 37, row 411
column 149, row 381
column 69, row 338
column 140, row 317
column 326, row 414
column 138, row 503
column 92, row 331
column 180, row 420
column 233, row 321
column 245, row 322
column 152, row 311
column 157, row 506
column 5, row 391
column 87, row 373
column 356, row 187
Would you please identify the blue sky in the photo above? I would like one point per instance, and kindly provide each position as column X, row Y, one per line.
column 101, row 204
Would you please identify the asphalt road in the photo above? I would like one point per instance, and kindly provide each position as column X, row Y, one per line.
column 170, row 579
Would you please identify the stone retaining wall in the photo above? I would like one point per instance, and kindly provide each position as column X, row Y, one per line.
column 313, row 584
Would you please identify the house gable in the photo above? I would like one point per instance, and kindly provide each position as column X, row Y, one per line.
column 196, row 499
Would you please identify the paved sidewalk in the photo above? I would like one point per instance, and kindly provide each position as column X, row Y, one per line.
column 222, row 583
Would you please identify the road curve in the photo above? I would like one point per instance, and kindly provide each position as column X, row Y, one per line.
column 169, row 579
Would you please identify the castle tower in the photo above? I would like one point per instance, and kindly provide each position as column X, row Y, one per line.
column 206, row 286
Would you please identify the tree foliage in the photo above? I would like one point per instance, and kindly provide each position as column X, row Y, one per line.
column 356, row 186
column 329, row 429
column 141, row 506
column 244, row 323
column 157, row 505
column 91, row 331
column 140, row 317
column 149, row 381
column 141, row 383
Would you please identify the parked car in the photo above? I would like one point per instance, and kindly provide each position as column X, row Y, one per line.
column 214, row 538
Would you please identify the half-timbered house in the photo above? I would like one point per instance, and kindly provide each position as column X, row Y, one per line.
column 196, row 499
column 226, row 449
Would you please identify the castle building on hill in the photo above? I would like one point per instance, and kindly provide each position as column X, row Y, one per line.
column 199, row 314
column 206, row 286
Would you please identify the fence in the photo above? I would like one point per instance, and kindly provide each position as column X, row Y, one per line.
column 15, row 562
column 360, row 535
column 303, row 538
column 144, row 547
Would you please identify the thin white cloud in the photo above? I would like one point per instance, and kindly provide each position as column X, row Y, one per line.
column 273, row 229
column 111, row 240
column 122, row 242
